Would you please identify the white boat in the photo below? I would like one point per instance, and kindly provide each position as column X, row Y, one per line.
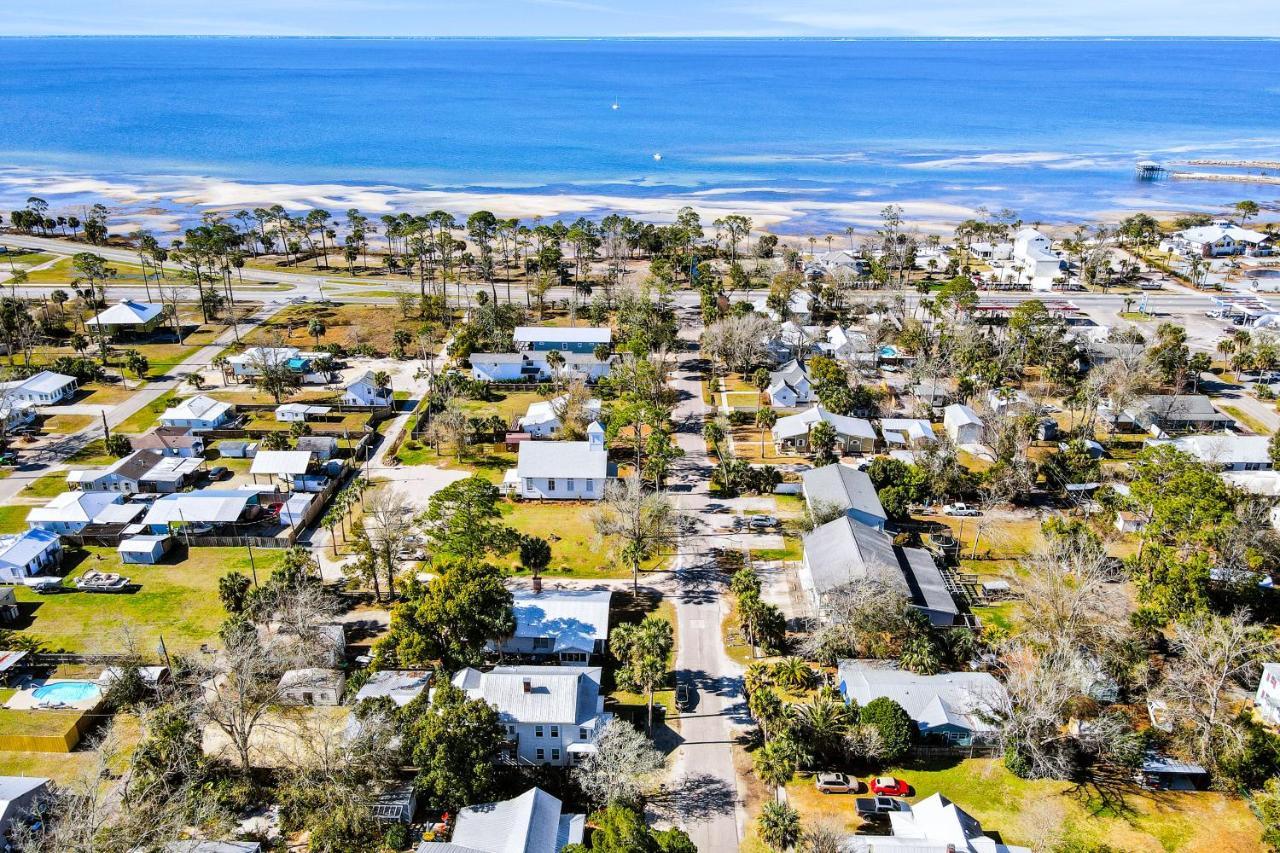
column 102, row 582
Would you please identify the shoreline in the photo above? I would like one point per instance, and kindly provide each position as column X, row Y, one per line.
column 166, row 204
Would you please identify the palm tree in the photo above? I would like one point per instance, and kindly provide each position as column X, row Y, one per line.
column 823, row 723
column 779, row 825
column 713, row 434
column 220, row 361
column 316, row 329
column 775, row 766
column 793, row 674
column 758, row 675
column 766, row 418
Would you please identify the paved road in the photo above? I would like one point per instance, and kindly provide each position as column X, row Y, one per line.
column 53, row 458
column 705, row 797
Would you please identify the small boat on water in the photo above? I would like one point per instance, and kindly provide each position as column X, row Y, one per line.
column 102, row 582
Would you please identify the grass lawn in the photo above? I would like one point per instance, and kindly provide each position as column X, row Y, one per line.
column 349, row 325
column 146, row 417
column 126, row 274
column 567, row 526
column 13, row 519
column 747, row 446
column 1255, row 426
column 1020, row 810
column 66, row 424
column 29, row 258
column 792, row 550
column 104, row 393
column 508, row 406
column 177, row 600
column 48, row 486
column 93, row 453
column 491, row 465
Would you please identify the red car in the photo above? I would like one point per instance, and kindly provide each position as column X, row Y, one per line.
column 889, row 787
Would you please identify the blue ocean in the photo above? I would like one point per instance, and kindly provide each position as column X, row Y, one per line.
column 804, row 134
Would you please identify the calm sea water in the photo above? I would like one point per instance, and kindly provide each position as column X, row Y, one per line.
column 1049, row 127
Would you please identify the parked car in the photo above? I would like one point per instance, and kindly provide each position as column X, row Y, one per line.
column 871, row 808
column 219, row 473
column 684, row 697
column 836, row 783
column 889, row 786
column 961, row 510
column 762, row 522
column 200, row 528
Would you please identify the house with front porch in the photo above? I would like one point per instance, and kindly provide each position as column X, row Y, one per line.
column 569, row 625
column 958, row 707
column 853, row 435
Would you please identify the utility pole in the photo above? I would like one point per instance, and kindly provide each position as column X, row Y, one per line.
column 252, row 565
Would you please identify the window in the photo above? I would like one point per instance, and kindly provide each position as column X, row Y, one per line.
column 555, row 755
column 582, row 733
column 551, row 485
column 541, row 643
column 568, row 484
column 511, row 730
column 542, row 755
column 528, row 484
column 537, row 731
column 555, row 731
column 591, row 486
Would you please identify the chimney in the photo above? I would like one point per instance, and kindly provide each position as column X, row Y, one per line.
column 537, row 584
column 528, row 685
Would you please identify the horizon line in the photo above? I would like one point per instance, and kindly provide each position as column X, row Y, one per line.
column 833, row 38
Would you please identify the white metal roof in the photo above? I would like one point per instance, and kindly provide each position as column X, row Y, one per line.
column 127, row 312
column 302, row 409
column 574, row 618
column 796, row 425
column 198, row 408
column 544, row 411
column 529, row 823
column 562, row 459
column 964, row 699
column 20, row 549
column 209, row 505
column 555, row 694
column 281, row 462
column 563, row 334
column 74, row 507
column 46, row 382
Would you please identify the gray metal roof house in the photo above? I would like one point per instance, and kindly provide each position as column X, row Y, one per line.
column 845, row 551
column 847, row 488
column 531, row 823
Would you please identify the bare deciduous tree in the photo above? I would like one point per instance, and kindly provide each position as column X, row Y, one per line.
column 739, row 341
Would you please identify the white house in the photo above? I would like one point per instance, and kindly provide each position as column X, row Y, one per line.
column 1002, row 400
column 1034, row 259
column 300, row 412
column 401, row 686
column 44, row 388
column 962, row 424
column 199, row 412
column 561, row 470
column 957, row 706
column 907, row 432
column 933, row 825
column 552, row 714
column 532, row 366
column 71, row 512
column 542, row 419
column 287, row 465
column 1228, row 451
column 364, row 391
column 1221, row 237
column 306, row 365
column 136, row 317
column 853, row 435
column 27, row 553
column 563, row 339
column 789, row 386
column 571, row 624
column 848, row 345
column 171, row 441
column 1267, row 700
column 312, row 686
column 844, row 488
column 531, row 823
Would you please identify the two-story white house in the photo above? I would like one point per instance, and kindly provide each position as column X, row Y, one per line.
column 569, row 624
column 552, row 713
column 790, row 386
column 364, row 391
column 561, row 470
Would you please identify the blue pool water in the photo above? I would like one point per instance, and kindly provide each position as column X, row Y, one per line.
column 69, row 692
column 296, row 363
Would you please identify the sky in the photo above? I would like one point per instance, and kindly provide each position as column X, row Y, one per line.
column 620, row 18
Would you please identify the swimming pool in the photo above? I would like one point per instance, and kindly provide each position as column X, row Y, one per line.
column 68, row 692
column 296, row 363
